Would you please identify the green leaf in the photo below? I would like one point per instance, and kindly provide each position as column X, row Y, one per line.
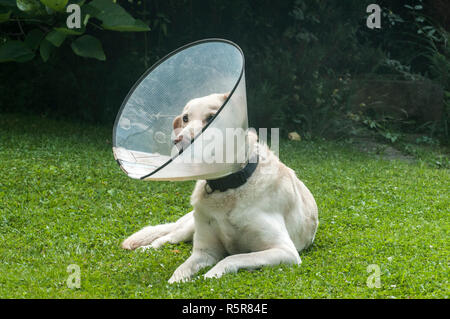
column 137, row 25
column 56, row 38
column 49, row 10
column 57, row 5
column 33, row 38
column 89, row 47
column 15, row 51
column 8, row 3
column 4, row 16
column 86, row 19
column 114, row 17
column 70, row 31
column 28, row 5
column 45, row 50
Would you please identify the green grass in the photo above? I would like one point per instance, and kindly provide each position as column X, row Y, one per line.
column 63, row 200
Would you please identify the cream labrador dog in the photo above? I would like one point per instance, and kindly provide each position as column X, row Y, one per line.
column 266, row 221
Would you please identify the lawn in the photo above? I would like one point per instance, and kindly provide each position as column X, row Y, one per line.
column 64, row 200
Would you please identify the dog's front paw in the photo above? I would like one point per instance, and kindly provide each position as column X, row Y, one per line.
column 179, row 276
column 145, row 248
column 215, row 272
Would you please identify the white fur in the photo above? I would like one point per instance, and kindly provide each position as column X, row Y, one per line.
column 266, row 221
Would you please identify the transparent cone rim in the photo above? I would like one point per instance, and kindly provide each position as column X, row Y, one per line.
column 151, row 69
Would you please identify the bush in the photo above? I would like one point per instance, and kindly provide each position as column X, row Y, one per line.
column 305, row 59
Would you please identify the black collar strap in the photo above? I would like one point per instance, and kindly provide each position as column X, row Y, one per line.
column 233, row 180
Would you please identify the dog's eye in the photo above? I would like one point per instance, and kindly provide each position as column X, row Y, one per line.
column 185, row 118
column 209, row 118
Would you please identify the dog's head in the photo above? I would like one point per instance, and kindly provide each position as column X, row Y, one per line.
column 196, row 114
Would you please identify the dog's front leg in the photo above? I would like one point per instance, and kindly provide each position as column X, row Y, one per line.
column 269, row 257
column 206, row 252
column 198, row 260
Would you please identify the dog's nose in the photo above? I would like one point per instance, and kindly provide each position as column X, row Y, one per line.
column 178, row 139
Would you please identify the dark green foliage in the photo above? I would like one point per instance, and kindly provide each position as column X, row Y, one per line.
column 32, row 18
column 305, row 59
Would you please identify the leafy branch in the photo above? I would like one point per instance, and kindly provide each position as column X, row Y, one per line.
column 38, row 27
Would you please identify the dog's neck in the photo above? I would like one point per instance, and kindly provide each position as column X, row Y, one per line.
column 233, row 180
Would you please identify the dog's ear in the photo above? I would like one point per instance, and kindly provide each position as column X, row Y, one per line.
column 225, row 96
column 177, row 122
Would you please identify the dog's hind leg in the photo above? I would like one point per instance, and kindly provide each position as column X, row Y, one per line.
column 156, row 236
column 183, row 231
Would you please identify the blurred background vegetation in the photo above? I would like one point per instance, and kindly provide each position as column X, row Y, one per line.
column 312, row 66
